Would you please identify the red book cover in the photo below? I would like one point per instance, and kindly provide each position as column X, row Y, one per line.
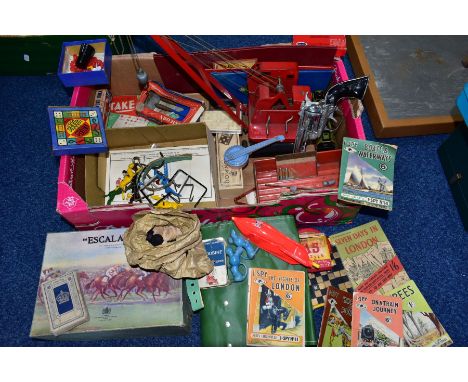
column 335, row 330
column 377, row 321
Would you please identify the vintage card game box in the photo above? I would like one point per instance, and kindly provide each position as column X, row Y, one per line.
column 276, row 308
column 377, row 321
column 121, row 301
column 77, row 130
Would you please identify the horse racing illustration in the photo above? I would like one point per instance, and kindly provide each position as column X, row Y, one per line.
column 115, row 294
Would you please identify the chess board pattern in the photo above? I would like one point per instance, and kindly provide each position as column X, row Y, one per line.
column 320, row 281
column 79, row 129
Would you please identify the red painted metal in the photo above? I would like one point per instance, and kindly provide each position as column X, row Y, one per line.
column 305, row 172
column 198, row 73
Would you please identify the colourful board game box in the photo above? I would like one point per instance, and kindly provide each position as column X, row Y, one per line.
column 77, row 130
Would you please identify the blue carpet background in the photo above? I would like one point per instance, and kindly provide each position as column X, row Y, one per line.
column 424, row 226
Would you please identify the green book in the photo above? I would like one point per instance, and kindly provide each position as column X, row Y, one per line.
column 224, row 317
column 420, row 325
column 366, row 173
column 369, row 259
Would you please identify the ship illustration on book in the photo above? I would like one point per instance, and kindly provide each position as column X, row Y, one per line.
column 363, row 177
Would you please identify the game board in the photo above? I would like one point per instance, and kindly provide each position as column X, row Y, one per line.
column 77, row 130
column 320, row 281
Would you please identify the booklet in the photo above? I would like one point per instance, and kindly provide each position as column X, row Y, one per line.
column 420, row 325
column 276, row 308
column 377, row 321
column 366, row 173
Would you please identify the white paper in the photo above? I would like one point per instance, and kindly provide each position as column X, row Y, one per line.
column 199, row 167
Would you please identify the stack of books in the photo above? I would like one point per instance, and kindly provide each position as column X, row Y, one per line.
column 386, row 308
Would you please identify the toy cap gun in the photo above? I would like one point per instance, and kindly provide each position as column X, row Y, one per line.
column 314, row 115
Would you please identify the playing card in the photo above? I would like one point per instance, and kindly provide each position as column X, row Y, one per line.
column 64, row 303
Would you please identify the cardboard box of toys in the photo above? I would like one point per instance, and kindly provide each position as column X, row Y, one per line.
column 96, row 58
column 81, row 189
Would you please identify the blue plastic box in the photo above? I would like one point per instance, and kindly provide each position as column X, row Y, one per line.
column 89, row 78
column 462, row 103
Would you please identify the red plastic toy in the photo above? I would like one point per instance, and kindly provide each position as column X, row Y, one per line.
column 268, row 238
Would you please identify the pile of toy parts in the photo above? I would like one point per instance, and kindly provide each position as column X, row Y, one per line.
column 217, row 188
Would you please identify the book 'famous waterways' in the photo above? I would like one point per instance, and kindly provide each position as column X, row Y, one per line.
column 366, row 173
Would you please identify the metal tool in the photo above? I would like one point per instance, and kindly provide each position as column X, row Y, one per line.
column 314, row 115
column 286, row 125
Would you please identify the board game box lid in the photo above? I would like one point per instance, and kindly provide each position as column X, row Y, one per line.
column 121, row 301
column 77, row 130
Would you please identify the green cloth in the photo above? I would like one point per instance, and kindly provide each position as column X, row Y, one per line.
column 224, row 318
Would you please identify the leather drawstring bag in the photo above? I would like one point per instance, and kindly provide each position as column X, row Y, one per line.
column 180, row 255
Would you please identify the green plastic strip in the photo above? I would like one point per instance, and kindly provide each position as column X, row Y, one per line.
column 194, row 294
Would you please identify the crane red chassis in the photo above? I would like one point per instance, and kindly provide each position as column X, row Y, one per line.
column 269, row 112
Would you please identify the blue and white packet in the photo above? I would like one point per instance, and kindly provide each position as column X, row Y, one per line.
column 216, row 250
column 64, row 303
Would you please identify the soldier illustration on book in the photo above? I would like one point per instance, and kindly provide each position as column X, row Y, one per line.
column 272, row 313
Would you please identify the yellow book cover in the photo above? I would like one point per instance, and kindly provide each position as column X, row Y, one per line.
column 276, row 307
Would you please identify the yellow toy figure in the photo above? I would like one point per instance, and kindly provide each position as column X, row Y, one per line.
column 128, row 181
column 165, row 203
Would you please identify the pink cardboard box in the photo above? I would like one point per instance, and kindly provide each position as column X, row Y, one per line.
column 71, row 203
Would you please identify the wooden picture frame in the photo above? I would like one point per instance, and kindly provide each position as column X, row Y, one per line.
column 383, row 126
